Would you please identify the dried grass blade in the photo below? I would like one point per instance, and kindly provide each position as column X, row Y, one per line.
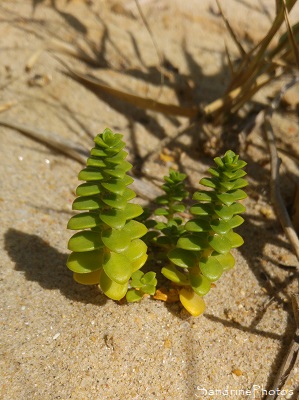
column 138, row 101
column 232, row 96
column 230, row 64
column 50, row 139
column 253, row 67
column 231, row 31
column 143, row 188
column 291, row 35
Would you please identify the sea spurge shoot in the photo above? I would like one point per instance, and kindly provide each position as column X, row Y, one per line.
column 203, row 252
column 108, row 248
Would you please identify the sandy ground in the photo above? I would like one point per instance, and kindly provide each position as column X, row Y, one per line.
column 61, row 340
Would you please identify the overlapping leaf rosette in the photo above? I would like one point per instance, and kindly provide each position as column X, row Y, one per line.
column 172, row 205
column 203, row 252
column 108, row 250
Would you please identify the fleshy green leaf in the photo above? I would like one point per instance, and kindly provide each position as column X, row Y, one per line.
column 201, row 209
column 110, row 152
column 120, row 170
column 90, row 174
column 227, row 185
column 219, row 162
column 193, row 303
column 161, row 211
column 197, row 225
column 214, row 172
column 209, row 182
column 136, row 249
column 230, row 198
column 163, row 200
column 220, row 243
column 95, row 151
column 204, row 196
column 136, row 279
column 114, row 218
column 160, row 226
column 115, row 201
column 116, row 240
column 170, row 272
column 139, row 262
column 134, row 295
column 87, row 203
column 235, row 221
column 117, row 159
column 132, row 210
column 113, row 290
column 193, row 242
column 90, row 278
column 239, row 183
column 179, row 208
column 85, row 262
column 233, row 175
column 235, row 239
column 226, row 260
column 95, row 162
column 116, row 186
column 183, row 258
column 88, row 189
column 227, row 212
column 200, row 284
column 84, row 221
column 117, row 267
column 135, row 229
column 211, row 268
column 85, row 241
column 220, row 226
column 150, row 278
column 149, row 289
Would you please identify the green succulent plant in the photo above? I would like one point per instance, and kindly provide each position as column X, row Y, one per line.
column 108, row 248
column 141, row 284
column 203, row 251
column 108, row 251
column 172, row 204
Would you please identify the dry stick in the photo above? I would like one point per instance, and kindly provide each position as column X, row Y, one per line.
column 275, row 163
column 275, row 191
column 292, row 353
column 290, row 358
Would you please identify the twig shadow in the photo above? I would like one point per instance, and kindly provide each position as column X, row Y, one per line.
column 44, row 264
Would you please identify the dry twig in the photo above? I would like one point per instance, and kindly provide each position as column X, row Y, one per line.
column 275, row 163
column 293, row 349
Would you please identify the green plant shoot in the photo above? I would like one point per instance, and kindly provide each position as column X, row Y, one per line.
column 172, row 204
column 203, row 251
column 108, row 250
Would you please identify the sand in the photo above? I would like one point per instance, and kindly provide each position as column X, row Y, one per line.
column 62, row 340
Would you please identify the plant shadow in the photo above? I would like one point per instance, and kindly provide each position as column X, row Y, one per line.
column 44, row 264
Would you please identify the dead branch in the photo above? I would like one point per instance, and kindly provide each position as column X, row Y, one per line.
column 292, row 354
column 277, row 200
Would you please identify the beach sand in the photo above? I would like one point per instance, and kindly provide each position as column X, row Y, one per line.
column 62, row 340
